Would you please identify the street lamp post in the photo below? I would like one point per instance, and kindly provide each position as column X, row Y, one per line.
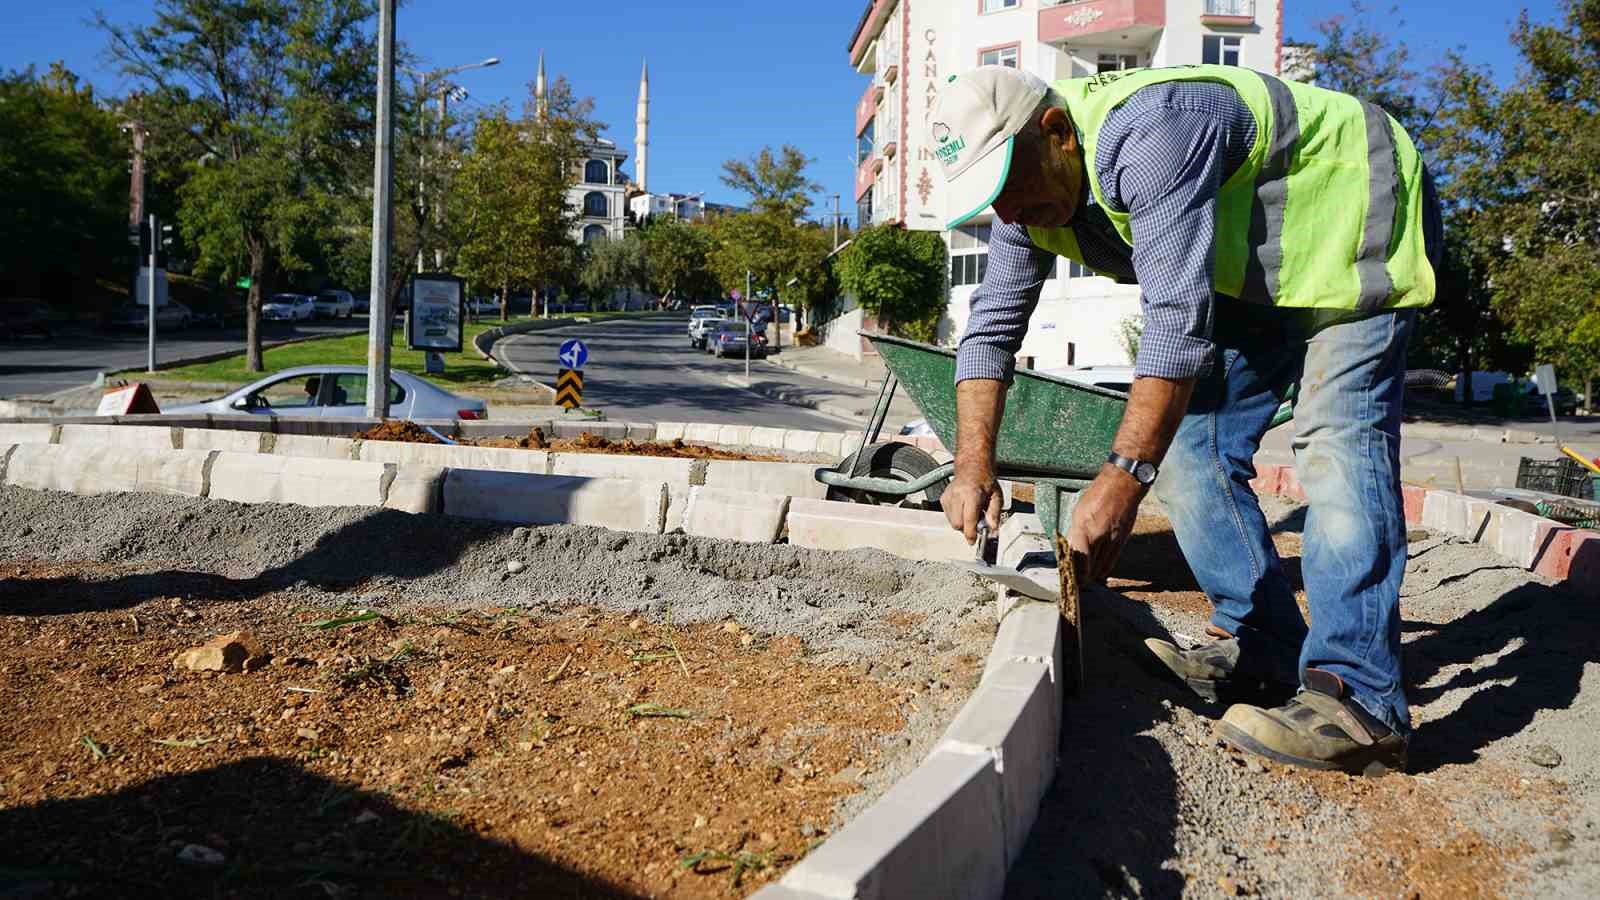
column 380, row 320
column 424, row 81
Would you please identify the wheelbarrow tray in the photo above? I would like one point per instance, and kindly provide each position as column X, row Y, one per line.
column 1052, row 427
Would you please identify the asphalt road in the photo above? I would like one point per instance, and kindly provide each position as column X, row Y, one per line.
column 33, row 367
column 643, row 370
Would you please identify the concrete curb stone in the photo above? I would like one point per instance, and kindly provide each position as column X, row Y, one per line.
column 938, row 832
column 306, row 481
column 616, row 503
column 910, row 533
column 731, row 515
column 98, row 470
column 30, row 433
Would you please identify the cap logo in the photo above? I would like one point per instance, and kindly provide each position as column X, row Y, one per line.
column 941, row 132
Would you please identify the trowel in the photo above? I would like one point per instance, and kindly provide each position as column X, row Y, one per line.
column 1010, row 578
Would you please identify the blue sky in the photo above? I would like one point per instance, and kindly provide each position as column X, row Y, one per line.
column 726, row 78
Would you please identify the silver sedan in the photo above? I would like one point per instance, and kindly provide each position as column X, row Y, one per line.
column 337, row 391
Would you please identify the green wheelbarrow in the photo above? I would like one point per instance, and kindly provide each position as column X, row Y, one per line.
column 1056, row 434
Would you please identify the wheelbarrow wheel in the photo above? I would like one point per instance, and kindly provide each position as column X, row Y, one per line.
column 897, row 461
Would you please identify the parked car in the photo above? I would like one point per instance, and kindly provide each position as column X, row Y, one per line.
column 333, row 305
column 288, row 308
column 1115, row 378
column 20, row 317
column 173, row 316
column 1566, row 402
column 731, row 336
column 338, row 391
column 578, row 304
column 363, row 302
column 701, row 326
column 483, row 305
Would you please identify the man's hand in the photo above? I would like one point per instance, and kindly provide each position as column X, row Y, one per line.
column 969, row 497
column 974, row 493
column 1103, row 520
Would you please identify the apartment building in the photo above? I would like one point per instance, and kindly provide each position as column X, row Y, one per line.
column 906, row 48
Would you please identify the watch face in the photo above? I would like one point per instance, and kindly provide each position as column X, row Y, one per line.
column 1145, row 472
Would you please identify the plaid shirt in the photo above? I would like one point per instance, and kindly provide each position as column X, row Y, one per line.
column 1161, row 157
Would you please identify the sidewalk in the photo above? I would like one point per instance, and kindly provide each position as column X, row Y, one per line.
column 828, row 382
column 831, row 365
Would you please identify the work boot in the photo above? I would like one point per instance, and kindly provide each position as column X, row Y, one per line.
column 1214, row 672
column 1320, row 728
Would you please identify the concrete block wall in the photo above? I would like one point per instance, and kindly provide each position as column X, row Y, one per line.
column 98, row 470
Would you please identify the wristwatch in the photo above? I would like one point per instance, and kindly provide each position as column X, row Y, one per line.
column 1142, row 472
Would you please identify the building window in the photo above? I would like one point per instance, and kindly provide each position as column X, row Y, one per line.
column 999, row 56
column 1232, row 9
column 864, row 142
column 1220, row 49
column 990, row 6
column 595, row 171
column 864, row 207
column 969, row 255
column 594, row 204
column 592, row 233
column 1116, row 62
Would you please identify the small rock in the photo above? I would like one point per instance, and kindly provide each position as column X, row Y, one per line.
column 235, row 652
column 768, row 837
column 366, row 816
column 200, row 855
column 309, row 734
column 1229, row 887
column 636, row 624
column 148, row 689
column 514, row 566
column 1254, row 766
column 730, row 627
column 808, row 830
column 519, row 534
column 1558, row 838
column 699, row 822
column 747, row 640
column 1544, row 755
column 1417, row 534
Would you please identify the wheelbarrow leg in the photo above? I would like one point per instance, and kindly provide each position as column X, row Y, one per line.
column 1054, row 501
column 869, row 435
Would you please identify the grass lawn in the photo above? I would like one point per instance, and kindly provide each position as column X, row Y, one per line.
column 464, row 368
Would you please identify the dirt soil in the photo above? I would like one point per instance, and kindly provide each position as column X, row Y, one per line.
column 586, row 442
column 1502, row 797
column 554, row 711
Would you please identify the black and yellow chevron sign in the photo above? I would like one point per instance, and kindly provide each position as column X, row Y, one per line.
column 569, row 388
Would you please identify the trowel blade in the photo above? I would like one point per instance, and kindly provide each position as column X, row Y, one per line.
column 1012, row 579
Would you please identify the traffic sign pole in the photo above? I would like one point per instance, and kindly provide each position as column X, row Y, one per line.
column 150, row 297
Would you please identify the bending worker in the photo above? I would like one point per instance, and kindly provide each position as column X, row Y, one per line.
column 1281, row 235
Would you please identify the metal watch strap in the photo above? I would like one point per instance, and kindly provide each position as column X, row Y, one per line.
column 1132, row 467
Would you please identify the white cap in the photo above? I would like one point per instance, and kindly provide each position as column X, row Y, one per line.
column 972, row 130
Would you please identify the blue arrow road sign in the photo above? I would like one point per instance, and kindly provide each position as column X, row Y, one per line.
column 573, row 353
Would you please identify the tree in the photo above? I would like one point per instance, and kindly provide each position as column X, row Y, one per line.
column 513, row 224
column 899, row 276
column 611, row 266
column 677, row 254
column 1130, row 330
column 1539, row 227
column 270, row 101
column 64, row 178
column 494, row 184
column 775, row 184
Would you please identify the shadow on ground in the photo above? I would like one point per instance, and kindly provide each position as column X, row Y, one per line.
column 1539, row 640
column 283, row 832
column 1108, row 825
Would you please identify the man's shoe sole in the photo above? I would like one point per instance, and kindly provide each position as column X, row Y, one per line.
column 1214, row 690
column 1371, row 768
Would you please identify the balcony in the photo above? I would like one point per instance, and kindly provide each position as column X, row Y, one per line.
column 1136, row 21
column 867, row 106
column 1229, row 13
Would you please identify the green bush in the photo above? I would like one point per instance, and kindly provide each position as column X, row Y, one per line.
column 898, row 276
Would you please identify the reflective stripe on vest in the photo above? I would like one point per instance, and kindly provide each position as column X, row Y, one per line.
column 1382, row 187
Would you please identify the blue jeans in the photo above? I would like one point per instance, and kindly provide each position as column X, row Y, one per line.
column 1351, row 375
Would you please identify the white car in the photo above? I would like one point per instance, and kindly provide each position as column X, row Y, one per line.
column 481, row 306
column 703, row 320
column 288, row 308
column 338, row 391
column 334, row 305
